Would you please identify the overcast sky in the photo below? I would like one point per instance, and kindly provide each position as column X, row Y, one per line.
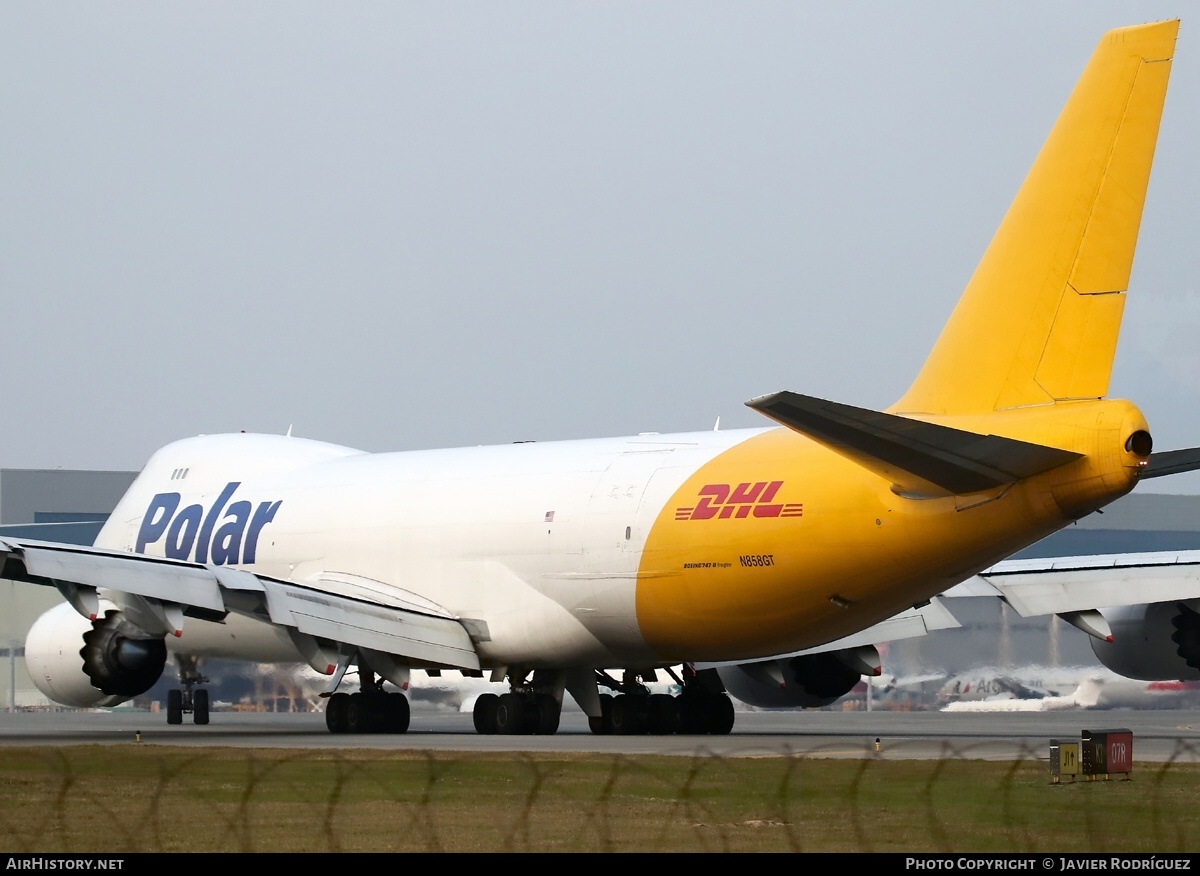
column 408, row 225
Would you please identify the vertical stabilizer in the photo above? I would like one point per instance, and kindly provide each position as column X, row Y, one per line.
column 1038, row 321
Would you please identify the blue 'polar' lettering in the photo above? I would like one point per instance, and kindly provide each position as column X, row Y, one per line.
column 189, row 533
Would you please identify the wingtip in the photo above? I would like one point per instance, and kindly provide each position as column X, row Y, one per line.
column 760, row 401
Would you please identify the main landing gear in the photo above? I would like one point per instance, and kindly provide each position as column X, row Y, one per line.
column 702, row 708
column 188, row 701
column 529, row 708
column 371, row 710
column 516, row 713
column 534, row 707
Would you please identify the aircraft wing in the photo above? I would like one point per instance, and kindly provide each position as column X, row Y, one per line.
column 1058, row 585
column 1071, row 587
column 172, row 590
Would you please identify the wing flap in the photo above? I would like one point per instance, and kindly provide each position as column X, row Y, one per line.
column 1060, row 586
column 421, row 637
column 427, row 635
column 913, row 454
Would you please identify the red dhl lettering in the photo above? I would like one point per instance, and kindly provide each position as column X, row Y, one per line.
column 723, row 501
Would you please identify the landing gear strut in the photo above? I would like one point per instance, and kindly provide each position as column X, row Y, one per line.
column 188, row 701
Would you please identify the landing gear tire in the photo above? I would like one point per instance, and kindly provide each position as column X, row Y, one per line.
column 548, row 714
column 693, row 710
column 360, row 717
column 510, row 715
column 200, row 707
column 629, row 714
column 706, row 713
column 606, row 703
column 370, row 711
column 335, row 713
column 721, row 716
column 602, row 726
column 396, row 713
column 174, row 707
column 484, row 714
column 663, row 715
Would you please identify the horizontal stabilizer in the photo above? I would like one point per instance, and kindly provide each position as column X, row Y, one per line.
column 1171, row 462
column 914, row 455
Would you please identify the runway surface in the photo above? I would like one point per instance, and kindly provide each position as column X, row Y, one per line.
column 1158, row 735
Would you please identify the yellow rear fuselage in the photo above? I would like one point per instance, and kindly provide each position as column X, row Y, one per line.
column 779, row 534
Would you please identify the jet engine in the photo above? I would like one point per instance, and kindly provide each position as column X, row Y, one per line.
column 85, row 663
column 1159, row 641
column 805, row 682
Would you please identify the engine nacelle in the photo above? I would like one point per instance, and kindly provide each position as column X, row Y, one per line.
column 85, row 663
column 1155, row 642
column 806, row 682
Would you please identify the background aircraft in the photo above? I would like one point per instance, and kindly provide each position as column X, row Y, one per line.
column 1043, row 689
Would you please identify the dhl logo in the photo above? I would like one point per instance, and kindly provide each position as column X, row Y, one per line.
column 723, row 501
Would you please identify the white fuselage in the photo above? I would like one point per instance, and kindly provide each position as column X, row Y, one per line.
column 537, row 545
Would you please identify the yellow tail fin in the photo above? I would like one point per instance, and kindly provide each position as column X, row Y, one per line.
column 1038, row 321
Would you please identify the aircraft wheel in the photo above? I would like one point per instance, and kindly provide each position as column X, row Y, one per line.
column 510, row 715
column 484, row 714
column 693, row 713
column 602, row 726
column 200, row 707
column 629, row 715
column 174, row 707
column 335, row 713
column 396, row 713
column 720, row 720
column 663, row 715
column 360, row 715
column 548, row 714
